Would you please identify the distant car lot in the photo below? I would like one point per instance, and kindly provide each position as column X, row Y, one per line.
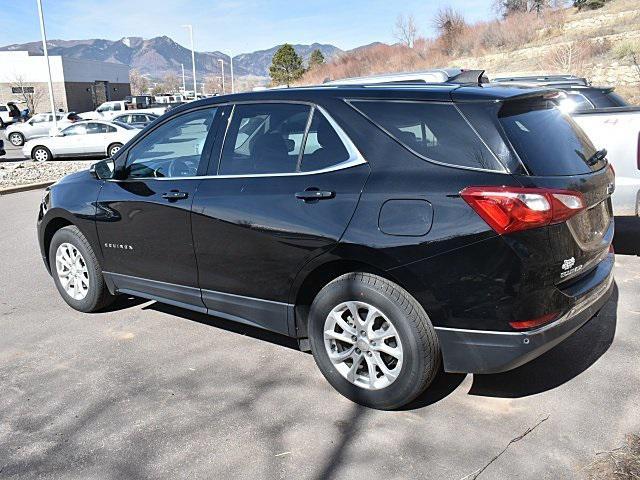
column 140, row 392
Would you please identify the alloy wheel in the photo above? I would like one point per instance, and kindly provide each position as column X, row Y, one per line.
column 113, row 150
column 72, row 271
column 363, row 345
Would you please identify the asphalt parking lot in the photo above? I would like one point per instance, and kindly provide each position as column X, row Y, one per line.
column 151, row 391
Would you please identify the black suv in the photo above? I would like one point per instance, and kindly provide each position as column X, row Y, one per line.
column 391, row 229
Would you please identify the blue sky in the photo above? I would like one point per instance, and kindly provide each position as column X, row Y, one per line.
column 231, row 26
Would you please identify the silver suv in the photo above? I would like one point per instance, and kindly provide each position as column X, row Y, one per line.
column 38, row 126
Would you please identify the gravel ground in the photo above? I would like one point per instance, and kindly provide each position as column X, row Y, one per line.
column 16, row 170
column 25, row 172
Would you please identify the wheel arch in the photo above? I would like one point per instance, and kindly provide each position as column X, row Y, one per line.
column 311, row 280
column 50, row 229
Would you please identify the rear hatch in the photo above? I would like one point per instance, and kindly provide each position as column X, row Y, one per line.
column 558, row 156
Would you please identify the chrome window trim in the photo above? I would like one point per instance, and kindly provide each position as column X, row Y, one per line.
column 504, row 170
column 355, row 157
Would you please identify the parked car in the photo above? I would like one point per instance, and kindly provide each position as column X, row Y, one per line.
column 39, row 125
column 387, row 228
column 82, row 139
column 9, row 113
column 609, row 122
column 136, row 120
column 109, row 110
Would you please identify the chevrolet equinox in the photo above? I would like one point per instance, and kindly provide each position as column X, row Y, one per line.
column 395, row 230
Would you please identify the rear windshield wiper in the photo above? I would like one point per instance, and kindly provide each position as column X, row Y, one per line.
column 596, row 157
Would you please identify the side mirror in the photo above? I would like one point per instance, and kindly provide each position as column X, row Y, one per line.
column 103, row 170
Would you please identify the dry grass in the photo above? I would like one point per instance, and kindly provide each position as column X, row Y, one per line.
column 569, row 41
column 622, row 463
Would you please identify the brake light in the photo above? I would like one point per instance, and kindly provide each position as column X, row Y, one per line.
column 512, row 209
column 535, row 322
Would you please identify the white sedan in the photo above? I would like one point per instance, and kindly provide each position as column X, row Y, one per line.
column 82, row 139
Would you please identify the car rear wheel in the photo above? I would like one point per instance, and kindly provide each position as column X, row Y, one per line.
column 76, row 271
column 41, row 154
column 113, row 149
column 373, row 341
column 16, row 139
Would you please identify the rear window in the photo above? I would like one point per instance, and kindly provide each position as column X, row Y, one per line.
column 548, row 142
column 434, row 131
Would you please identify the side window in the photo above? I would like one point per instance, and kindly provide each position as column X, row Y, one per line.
column 264, row 138
column 174, row 149
column 434, row 131
column 93, row 128
column 110, row 129
column 39, row 119
column 580, row 102
column 78, row 129
column 117, row 107
column 323, row 148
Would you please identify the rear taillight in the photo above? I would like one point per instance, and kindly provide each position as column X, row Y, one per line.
column 534, row 322
column 512, row 209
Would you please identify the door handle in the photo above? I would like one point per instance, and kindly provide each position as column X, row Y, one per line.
column 175, row 195
column 314, row 195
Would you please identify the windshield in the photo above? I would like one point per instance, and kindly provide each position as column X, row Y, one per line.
column 548, row 142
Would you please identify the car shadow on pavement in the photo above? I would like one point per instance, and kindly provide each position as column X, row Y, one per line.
column 626, row 240
column 560, row 364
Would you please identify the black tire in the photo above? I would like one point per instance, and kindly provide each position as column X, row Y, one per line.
column 113, row 148
column 18, row 136
column 421, row 350
column 41, row 154
column 98, row 296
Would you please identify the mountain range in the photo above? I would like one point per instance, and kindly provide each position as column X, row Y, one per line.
column 156, row 57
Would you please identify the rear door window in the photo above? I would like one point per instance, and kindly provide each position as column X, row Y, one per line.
column 548, row 142
column 264, row 138
column 323, row 147
column 433, row 131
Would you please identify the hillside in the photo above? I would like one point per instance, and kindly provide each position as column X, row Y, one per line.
column 598, row 44
column 159, row 56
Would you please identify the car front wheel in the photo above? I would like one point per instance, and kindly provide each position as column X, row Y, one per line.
column 113, row 149
column 77, row 272
column 41, row 154
column 16, row 139
column 373, row 341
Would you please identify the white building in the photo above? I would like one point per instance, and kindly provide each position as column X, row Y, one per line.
column 78, row 85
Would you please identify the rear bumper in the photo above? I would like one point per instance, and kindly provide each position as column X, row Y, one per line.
column 477, row 351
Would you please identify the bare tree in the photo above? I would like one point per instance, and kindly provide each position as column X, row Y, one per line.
column 450, row 24
column 139, row 84
column 405, row 30
column 566, row 58
column 171, row 83
column 212, row 84
column 29, row 93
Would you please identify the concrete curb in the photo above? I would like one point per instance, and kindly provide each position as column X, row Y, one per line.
column 25, row 188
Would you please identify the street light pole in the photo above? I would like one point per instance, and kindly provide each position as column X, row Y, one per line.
column 193, row 60
column 46, row 56
column 222, row 73
column 233, row 86
column 184, row 85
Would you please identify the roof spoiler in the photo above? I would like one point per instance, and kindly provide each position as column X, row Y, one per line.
column 441, row 75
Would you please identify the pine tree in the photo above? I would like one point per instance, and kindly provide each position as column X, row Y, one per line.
column 286, row 66
column 316, row 58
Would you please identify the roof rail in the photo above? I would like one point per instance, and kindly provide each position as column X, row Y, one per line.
column 544, row 80
column 442, row 75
